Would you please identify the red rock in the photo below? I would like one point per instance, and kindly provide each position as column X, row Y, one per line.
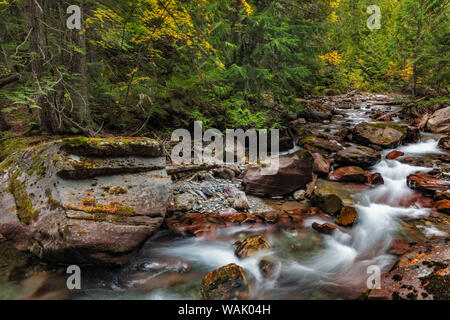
column 348, row 174
column 443, row 206
column 399, row 246
column 425, row 182
column 395, row 155
column 408, row 160
column 326, row 228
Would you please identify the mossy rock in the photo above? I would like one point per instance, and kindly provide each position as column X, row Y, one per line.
column 328, row 203
column 347, row 217
column 225, row 283
column 110, row 147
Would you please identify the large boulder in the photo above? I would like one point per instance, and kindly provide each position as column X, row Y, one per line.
column 295, row 172
column 84, row 201
column 421, row 273
column 439, row 121
column 225, row 283
column 385, row 135
column 315, row 112
column 360, row 156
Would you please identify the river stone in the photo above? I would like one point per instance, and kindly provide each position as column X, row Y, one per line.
column 328, row 203
column 184, row 202
column 394, row 155
column 315, row 144
column 295, row 172
column 382, row 134
column 251, row 246
column 240, row 201
column 315, row 111
column 321, row 166
column 439, row 121
column 325, row 228
column 225, row 283
column 92, row 205
column 347, row 217
column 348, row 174
column 427, row 183
column 359, row 156
column 444, row 143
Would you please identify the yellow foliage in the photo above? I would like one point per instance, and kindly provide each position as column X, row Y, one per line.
column 333, row 57
column 247, row 7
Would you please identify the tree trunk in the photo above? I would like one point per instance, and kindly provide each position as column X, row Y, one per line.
column 78, row 88
column 47, row 115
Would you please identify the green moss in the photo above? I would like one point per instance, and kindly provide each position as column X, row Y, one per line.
column 437, row 285
column 25, row 210
column 52, row 201
column 98, row 142
column 38, row 166
column 10, row 144
column 117, row 190
column 5, row 165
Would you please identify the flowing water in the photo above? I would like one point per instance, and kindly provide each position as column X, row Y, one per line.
column 309, row 265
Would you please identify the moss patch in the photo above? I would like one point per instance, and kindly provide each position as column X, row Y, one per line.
column 25, row 211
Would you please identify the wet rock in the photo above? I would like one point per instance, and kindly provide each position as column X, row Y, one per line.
column 439, row 121
column 444, row 143
column 315, row 111
column 267, row 267
column 225, row 283
column 444, row 195
column 326, row 228
column 359, row 156
column 422, row 273
column 83, row 200
column 328, row 203
column 374, row 179
column 427, row 183
column 184, row 202
column 251, row 246
column 285, row 143
column 348, row 174
column 443, row 206
column 240, row 201
column 347, row 217
column 294, row 172
column 393, row 155
column 382, row 134
column 315, row 144
column 321, row 165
